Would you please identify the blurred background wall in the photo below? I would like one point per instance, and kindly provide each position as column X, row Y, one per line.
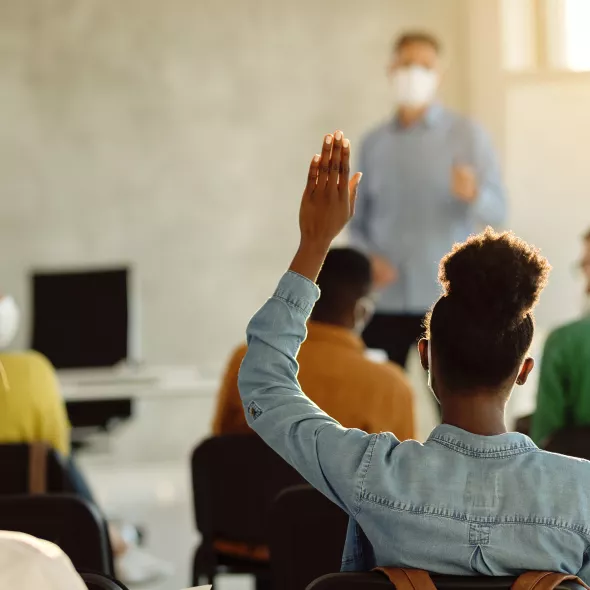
column 175, row 136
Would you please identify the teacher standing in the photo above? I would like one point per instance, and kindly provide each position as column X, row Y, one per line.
column 430, row 179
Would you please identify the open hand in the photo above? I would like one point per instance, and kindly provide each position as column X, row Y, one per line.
column 327, row 204
column 329, row 197
column 465, row 183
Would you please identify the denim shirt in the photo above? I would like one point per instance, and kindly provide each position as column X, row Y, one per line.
column 458, row 504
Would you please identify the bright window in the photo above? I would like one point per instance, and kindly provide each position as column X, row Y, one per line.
column 520, row 35
column 576, row 35
column 546, row 34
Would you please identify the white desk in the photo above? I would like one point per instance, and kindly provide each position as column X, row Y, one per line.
column 162, row 412
column 156, row 383
column 86, row 392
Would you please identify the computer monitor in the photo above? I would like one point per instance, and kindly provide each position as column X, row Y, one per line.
column 81, row 319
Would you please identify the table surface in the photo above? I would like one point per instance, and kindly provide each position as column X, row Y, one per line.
column 81, row 385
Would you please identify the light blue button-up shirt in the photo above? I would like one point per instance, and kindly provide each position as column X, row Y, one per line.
column 406, row 211
column 458, row 504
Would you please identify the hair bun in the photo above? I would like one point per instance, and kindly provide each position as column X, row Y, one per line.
column 496, row 276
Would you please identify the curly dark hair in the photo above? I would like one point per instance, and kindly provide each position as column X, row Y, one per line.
column 483, row 325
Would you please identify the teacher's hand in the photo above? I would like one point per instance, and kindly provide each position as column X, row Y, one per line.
column 327, row 204
column 384, row 273
column 464, row 183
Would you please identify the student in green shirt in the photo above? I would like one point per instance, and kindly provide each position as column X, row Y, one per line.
column 564, row 385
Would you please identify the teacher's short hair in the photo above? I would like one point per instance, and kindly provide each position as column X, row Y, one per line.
column 410, row 37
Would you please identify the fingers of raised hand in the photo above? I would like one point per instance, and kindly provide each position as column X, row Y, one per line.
column 325, row 160
column 343, row 184
column 312, row 177
column 335, row 161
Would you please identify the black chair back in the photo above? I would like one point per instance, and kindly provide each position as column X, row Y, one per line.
column 573, row 441
column 376, row 581
column 235, row 481
column 306, row 539
column 15, row 469
column 68, row 521
column 101, row 582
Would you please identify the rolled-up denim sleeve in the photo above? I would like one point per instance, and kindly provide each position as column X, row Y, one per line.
column 332, row 458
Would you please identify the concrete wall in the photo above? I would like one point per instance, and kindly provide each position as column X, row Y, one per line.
column 175, row 136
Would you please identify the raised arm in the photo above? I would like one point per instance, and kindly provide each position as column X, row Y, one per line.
column 332, row 458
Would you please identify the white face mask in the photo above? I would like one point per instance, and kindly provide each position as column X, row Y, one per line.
column 415, row 86
column 9, row 319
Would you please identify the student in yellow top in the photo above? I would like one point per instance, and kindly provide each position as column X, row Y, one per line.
column 334, row 368
column 31, row 406
column 32, row 409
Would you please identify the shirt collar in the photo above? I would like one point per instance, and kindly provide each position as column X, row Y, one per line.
column 433, row 115
column 329, row 333
column 511, row 443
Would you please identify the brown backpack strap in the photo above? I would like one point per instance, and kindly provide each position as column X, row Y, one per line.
column 37, row 468
column 407, row 579
column 544, row 581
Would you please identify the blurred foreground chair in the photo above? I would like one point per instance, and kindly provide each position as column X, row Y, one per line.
column 377, row 581
column 101, row 582
column 235, row 481
column 35, row 468
column 306, row 538
column 71, row 523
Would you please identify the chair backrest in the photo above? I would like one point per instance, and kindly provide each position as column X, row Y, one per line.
column 68, row 521
column 573, row 441
column 235, row 480
column 15, row 470
column 376, row 581
column 306, row 538
column 101, row 582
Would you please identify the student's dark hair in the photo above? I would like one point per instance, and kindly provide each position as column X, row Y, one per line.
column 587, row 235
column 482, row 325
column 343, row 280
column 410, row 37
